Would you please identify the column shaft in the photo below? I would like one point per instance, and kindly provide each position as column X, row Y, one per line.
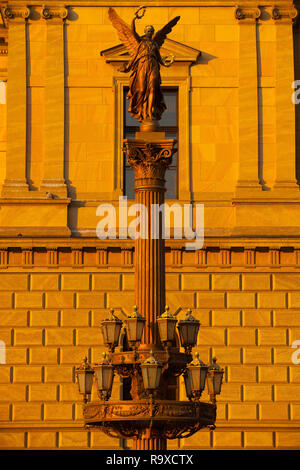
column 53, row 177
column 149, row 160
column 150, row 265
column 285, row 108
column 248, row 101
column 149, row 444
column 15, row 182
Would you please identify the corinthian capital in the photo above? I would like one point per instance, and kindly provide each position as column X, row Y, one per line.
column 247, row 14
column 149, row 160
column 54, row 12
column 284, row 14
column 15, row 12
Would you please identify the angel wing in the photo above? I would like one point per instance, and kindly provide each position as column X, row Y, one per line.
column 128, row 37
column 161, row 35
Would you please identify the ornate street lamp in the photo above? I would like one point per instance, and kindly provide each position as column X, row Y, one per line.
column 85, row 379
column 166, row 327
column 104, row 375
column 135, row 325
column 188, row 331
column 111, row 328
column 151, row 373
column 152, row 414
column 195, row 377
column 214, row 380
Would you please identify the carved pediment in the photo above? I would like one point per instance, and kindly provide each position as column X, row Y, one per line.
column 181, row 52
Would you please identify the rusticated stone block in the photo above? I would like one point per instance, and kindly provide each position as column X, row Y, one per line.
column 75, row 282
column 257, row 392
column 58, row 411
column 73, row 439
column 27, row 412
column 42, row 439
column 42, row 392
column 12, row 440
column 258, row 439
column 242, row 411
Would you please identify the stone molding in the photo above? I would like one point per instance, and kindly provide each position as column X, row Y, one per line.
column 284, row 14
column 54, row 12
column 247, row 14
column 14, row 12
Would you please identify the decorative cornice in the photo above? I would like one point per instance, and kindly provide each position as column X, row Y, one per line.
column 54, row 12
column 284, row 14
column 14, row 12
column 247, row 14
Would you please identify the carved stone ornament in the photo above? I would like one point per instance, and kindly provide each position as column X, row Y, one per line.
column 149, row 159
column 54, row 12
column 248, row 14
column 166, row 419
column 285, row 15
column 16, row 12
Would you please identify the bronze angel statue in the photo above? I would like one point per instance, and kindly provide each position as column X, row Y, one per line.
column 145, row 95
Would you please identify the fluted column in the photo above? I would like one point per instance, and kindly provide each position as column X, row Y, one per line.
column 53, row 171
column 15, row 182
column 149, row 161
column 248, row 179
column 149, row 444
column 285, row 108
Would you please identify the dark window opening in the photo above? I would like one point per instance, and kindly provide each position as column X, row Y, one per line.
column 169, row 125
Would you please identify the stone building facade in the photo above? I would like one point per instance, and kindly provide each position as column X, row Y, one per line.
column 61, row 129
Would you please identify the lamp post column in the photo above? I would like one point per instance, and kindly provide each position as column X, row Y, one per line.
column 149, row 155
column 149, row 160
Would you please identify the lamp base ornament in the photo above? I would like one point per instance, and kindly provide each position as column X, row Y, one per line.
column 163, row 419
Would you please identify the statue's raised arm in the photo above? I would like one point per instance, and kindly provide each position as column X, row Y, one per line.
column 127, row 35
column 145, row 95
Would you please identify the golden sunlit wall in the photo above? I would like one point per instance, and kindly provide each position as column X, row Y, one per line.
column 61, row 124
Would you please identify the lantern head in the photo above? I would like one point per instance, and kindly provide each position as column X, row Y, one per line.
column 166, row 327
column 151, row 372
column 188, row 331
column 85, row 379
column 104, row 375
column 135, row 325
column 111, row 328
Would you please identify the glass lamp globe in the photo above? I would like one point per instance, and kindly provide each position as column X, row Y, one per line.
column 166, row 327
column 85, row 375
column 135, row 325
column 188, row 331
column 195, row 378
column 214, row 379
column 104, row 375
column 111, row 328
column 151, row 373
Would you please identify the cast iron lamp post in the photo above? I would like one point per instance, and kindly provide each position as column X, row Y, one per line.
column 154, row 357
